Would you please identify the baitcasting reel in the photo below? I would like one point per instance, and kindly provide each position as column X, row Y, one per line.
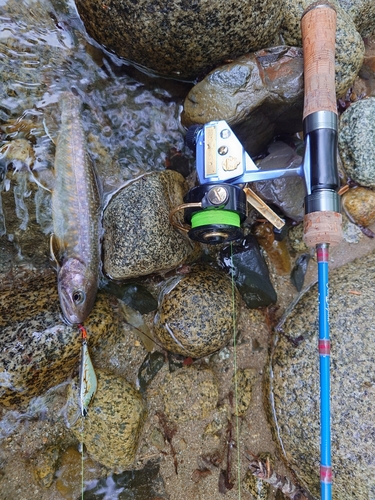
column 215, row 209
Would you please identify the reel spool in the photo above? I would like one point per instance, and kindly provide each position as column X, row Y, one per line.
column 213, row 213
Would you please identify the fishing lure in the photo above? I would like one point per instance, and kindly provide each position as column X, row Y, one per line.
column 87, row 378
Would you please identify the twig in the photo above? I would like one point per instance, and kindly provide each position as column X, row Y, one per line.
column 263, row 470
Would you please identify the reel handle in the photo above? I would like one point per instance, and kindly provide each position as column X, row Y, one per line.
column 318, row 27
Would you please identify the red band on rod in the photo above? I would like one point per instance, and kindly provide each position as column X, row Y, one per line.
column 324, row 347
column 326, row 474
column 322, row 254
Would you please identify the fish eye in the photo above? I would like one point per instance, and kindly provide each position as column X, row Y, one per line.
column 78, row 296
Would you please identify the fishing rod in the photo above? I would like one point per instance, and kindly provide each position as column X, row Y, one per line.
column 322, row 221
column 215, row 209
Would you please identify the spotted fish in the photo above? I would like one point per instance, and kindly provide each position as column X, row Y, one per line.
column 76, row 210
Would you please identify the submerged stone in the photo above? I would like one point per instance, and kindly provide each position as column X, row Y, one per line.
column 189, row 394
column 195, row 315
column 286, row 193
column 357, row 142
column 38, row 350
column 142, row 484
column 250, row 272
column 259, row 95
column 294, row 383
column 181, row 38
column 113, row 423
column 139, row 238
column 134, row 295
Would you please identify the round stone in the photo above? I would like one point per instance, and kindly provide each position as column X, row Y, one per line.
column 294, row 384
column 37, row 349
column 357, row 141
column 189, row 394
column 112, row 426
column 195, row 315
column 180, row 38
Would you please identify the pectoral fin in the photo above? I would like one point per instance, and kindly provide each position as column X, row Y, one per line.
column 54, row 250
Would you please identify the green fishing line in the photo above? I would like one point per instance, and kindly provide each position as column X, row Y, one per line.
column 212, row 217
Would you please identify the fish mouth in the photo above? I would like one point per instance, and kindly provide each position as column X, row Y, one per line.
column 67, row 321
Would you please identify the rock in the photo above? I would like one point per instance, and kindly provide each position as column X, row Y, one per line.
column 295, row 383
column 189, row 394
column 195, row 315
column 114, row 421
column 46, row 465
column 139, row 239
column 68, row 482
column 245, row 381
column 363, row 14
column 287, row 193
column 349, row 44
column 359, row 205
column 134, row 295
column 250, row 272
column 357, row 141
column 276, row 249
column 258, row 94
column 141, row 484
column 37, row 350
column 25, row 209
column 364, row 84
column 297, row 276
column 180, row 39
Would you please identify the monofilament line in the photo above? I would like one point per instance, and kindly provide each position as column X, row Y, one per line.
column 235, row 373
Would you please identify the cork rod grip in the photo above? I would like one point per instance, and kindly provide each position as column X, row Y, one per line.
column 318, row 38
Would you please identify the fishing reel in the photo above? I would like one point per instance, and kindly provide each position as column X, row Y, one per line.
column 215, row 209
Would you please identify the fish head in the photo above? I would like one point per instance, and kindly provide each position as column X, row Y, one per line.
column 77, row 287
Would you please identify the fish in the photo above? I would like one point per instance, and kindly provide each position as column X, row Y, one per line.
column 76, row 214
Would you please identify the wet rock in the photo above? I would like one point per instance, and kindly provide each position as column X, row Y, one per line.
column 297, row 276
column 277, row 250
column 151, row 365
column 189, row 394
column 295, row 383
column 259, row 95
column 363, row 14
column 287, row 193
column 250, row 272
column 134, row 295
column 357, row 142
column 359, row 205
column 143, row 484
column 245, row 381
column 45, row 468
column 25, row 211
column 349, row 44
column 181, row 39
column 139, row 239
column 195, row 315
column 113, row 423
column 37, row 350
column 364, row 84
column 68, row 482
